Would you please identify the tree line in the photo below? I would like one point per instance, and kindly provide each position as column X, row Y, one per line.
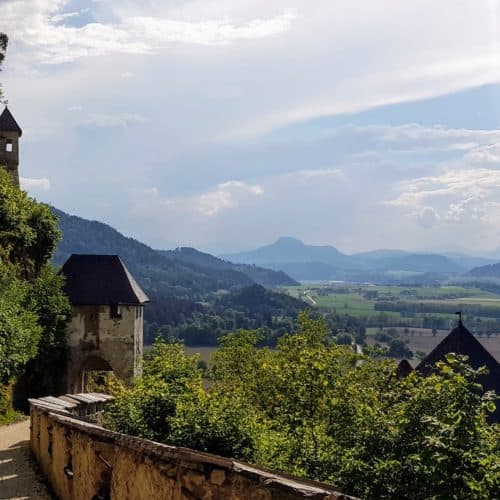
column 316, row 409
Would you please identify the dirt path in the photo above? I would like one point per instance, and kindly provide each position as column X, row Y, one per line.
column 19, row 475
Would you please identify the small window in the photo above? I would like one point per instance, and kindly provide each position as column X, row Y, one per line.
column 8, row 147
column 115, row 311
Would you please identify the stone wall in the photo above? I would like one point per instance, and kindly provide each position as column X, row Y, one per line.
column 82, row 460
column 98, row 340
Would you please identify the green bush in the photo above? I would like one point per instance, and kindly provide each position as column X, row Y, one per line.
column 319, row 410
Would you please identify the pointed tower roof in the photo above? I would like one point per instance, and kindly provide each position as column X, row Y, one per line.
column 8, row 123
column 100, row 280
column 461, row 341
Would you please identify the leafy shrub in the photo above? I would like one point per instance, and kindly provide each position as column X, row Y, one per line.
column 319, row 410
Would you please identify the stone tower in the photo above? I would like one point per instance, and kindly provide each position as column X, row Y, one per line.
column 105, row 332
column 10, row 132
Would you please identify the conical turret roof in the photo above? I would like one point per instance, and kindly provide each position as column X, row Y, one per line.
column 8, row 122
column 461, row 341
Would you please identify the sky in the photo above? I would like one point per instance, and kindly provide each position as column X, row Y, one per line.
column 225, row 124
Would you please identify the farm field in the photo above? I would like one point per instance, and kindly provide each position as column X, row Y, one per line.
column 415, row 327
column 361, row 300
column 404, row 310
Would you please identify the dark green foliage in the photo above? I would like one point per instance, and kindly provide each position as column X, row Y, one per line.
column 169, row 378
column 19, row 328
column 256, row 299
column 4, row 40
column 195, row 296
column 255, row 274
column 45, row 373
column 490, row 271
column 343, row 339
column 398, row 348
column 319, row 410
column 436, row 307
column 203, row 324
column 33, row 308
column 184, row 273
column 28, row 230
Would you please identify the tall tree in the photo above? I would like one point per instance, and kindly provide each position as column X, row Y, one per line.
column 28, row 230
column 33, row 308
column 4, row 40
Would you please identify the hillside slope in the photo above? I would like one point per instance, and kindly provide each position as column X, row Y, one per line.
column 490, row 271
column 158, row 273
column 259, row 275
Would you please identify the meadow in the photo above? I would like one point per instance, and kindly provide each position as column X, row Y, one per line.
column 422, row 330
column 360, row 300
column 426, row 313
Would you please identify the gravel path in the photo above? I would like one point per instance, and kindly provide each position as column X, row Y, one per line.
column 19, row 475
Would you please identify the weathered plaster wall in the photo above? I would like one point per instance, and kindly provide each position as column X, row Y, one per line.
column 85, row 461
column 95, row 335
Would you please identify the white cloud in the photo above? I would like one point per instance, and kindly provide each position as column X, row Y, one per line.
column 120, row 120
column 226, row 69
column 34, row 185
column 467, row 184
column 40, row 25
column 224, row 196
column 428, row 217
column 321, row 172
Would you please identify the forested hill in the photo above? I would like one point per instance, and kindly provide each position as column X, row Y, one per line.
column 260, row 275
column 491, row 271
column 159, row 273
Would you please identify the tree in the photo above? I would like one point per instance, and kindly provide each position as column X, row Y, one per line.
column 28, row 229
column 33, row 308
column 317, row 409
column 4, row 40
column 399, row 349
column 343, row 339
column 45, row 372
column 169, row 378
column 19, row 328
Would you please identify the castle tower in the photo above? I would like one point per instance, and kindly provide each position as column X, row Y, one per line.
column 106, row 328
column 10, row 132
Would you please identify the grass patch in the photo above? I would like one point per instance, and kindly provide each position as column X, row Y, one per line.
column 11, row 417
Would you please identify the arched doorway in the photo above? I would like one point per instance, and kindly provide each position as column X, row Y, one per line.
column 93, row 373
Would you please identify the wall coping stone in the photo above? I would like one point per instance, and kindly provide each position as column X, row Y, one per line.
column 65, row 412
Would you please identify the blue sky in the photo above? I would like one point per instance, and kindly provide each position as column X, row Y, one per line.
column 225, row 124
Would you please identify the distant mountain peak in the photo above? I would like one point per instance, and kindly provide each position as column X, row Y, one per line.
column 289, row 241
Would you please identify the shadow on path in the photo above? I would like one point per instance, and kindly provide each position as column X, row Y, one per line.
column 19, row 474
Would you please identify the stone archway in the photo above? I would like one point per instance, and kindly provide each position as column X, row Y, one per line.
column 91, row 369
column 78, row 377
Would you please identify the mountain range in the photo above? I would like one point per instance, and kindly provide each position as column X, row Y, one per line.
column 315, row 262
column 183, row 272
column 187, row 272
